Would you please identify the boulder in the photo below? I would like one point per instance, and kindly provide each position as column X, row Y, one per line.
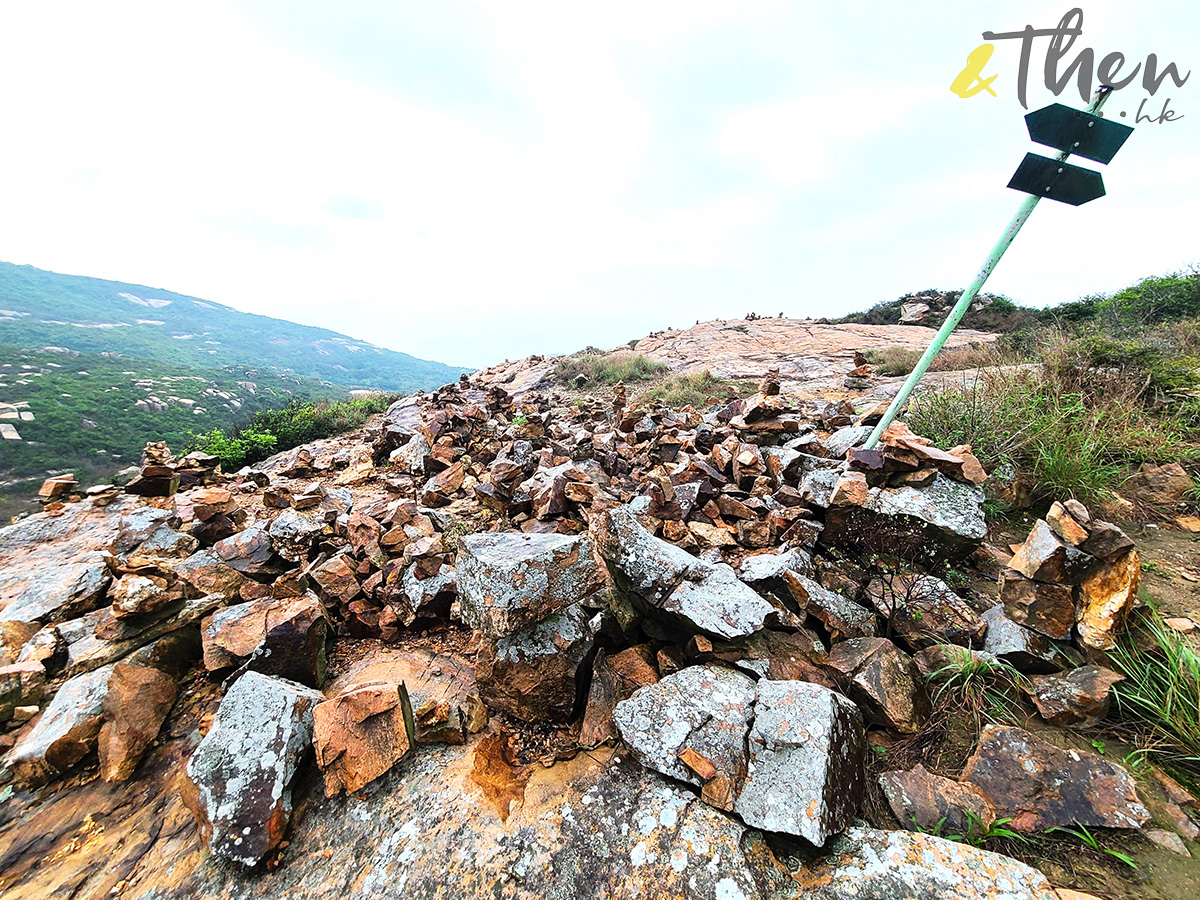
column 361, row 733
column 1079, row 697
column 1046, row 557
column 806, row 756
column 426, row 598
column 21, row 685
column 284, row 637
column 136, row 705
column 922, row 801
column 1038, row 786
column 1105, row 599
column 293, row 534
column 508, row 581
column 337, row 579
column 844, row 618
column 1160, row 485
column 238, row 782
column 250, row 552
column 1048, row 609
column 63, row 591
column 66, row 731
column 702, row 709
column 136, row 595
column 923, row 611
column 204, row 574
column 167, row 543
column 1025, row 650
column 534, row 674
column 901, row 865
column 883, row 681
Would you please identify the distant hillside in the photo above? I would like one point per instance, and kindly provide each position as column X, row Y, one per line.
column 988, row 312
column 41, row 309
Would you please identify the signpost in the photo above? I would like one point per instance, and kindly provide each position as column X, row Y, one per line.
column 1070, row 131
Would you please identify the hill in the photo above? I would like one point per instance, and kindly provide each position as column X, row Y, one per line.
column 90, row 315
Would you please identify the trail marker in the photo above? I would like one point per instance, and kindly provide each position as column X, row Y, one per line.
column 1070, row 131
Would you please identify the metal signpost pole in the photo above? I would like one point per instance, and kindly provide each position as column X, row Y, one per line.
column 964, row 302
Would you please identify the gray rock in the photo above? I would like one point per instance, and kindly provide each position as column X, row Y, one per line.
column 293, row 534
column 769, row 567
column 239, row 780
column 640, row 563
column 718, row 604
column 806, row 768
column 946, row 511
column 65, row 733
column 706, row 709
column 1026, row 650
column 138, row 525
column 169, row 544
column 250, row 552
column 839, row 443
column 422, row 593
column 816, row 487
column 509, row 581
column 842, row 617
column 411, row 457
column 902, row 865
column 63, row 591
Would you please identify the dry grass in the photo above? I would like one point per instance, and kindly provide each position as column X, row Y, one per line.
column 608, row 368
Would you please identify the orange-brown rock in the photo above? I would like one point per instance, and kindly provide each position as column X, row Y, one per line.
column 360, row 734
column 137, row 703
column 1105, row 599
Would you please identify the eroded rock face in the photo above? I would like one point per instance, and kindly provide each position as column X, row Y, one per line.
column 360, row 734
column 239, row 781
column 805, row 770
column 1038, row 785
column 533, row 674
column 901, row 865
column 66, row 731
column 1048, row 609
column 509, row 581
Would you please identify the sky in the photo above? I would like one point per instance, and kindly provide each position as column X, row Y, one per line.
column 477, row 181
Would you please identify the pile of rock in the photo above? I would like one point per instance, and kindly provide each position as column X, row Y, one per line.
column 156, row 477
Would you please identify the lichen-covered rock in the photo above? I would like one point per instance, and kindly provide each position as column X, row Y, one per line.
column 361, row 733
column 805, row 770
column 66, row 731
column 137, row 703
column 883, row 681
column 1080, row 697
column 251, row 552
column 135, row 595
column 702, row 709
column 900, row 865
column 238, row 783
column 1038, row 786
column 509, row 581
column 844, row 618
column 534, row 674
column 1026, row 650
column 293, row 534
column 284, row 637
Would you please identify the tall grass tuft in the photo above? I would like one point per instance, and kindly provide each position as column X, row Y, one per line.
column 608, row 368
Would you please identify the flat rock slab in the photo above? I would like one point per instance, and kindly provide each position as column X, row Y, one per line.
column 239, row 781
column 510, row 581
column 900, row 865
column 362, row 733
column 1039, row 786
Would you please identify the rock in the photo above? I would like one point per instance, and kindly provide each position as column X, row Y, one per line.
column 1027, row 651
column 138, row 525
column 508, row 582
column 1168, row 840
column 1105, row 599
column 1078, row 697
column 706, row 709
column 62, row 592
column 135, row 595
column 250, row 552
column 883, row 681
column 204, row 574
column 533, row 674
column 167, row 543
column 1048, row 609
column 283, row 637
column 1160, row 485
column 934, row 659
column 293, row 535
column 945, row 513
column 838, row 444
column 900, row 865
column 238, row 782
column 337, row 579
column 925, row 802
column 914, row 313
column 137, row 703
column 844, row 618
column 778, row 655
column 1039, row 786
column 21, row 685
column 1068, row 529
column 1045, row 557
column 613, row 680
column 360, row 734
column 659, row 577
column 1106, row 540
column 805, row 771
column 13, row 637
column 440, row 722
column 923, row 610
column 66, row 731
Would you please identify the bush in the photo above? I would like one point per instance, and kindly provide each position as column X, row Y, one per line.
column 237, row 450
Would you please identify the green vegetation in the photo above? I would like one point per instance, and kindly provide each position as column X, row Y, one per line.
column 1089, row 840
column 608, row 368
column 1160, row 696
column 274, row 430
column 40, row 309
column 990, row 312
column 696, row 390
column 890, row 361
column 986, row 688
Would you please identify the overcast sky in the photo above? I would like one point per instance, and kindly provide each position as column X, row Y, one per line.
column 470, row 182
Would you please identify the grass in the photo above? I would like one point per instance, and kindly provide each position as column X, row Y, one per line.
column 986, row 688
column 890, row 361
column 1089, row 840
column 1160, row 696
column 608, row 368
column 697, row 389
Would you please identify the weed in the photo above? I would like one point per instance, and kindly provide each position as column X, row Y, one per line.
column 608, row 368
column 1098, row 745
column 987, row 688
column 889, row 361
column 520, row 420
column 698, row 389
column 1089, row 840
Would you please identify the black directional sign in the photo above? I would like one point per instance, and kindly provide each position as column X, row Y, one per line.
column 1077, row 132
column 1056, row 180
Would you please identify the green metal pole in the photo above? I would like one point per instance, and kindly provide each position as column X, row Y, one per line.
column 964, row 302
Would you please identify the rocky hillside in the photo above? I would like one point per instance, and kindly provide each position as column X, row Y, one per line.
column 529, row 644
